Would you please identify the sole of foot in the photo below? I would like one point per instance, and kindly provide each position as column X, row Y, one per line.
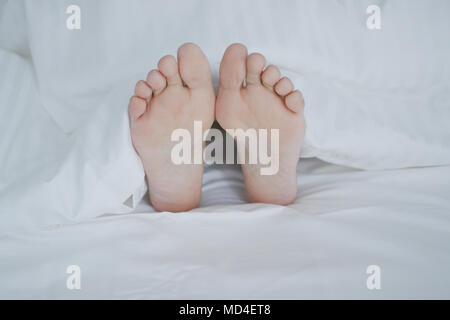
column 267, row 101
column 173, row 96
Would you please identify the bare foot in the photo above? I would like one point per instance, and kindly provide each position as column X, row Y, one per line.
column 267, row 102
column 172, row 97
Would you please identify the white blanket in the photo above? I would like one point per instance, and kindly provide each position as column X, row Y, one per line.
column 374, row 98
column 343, row 221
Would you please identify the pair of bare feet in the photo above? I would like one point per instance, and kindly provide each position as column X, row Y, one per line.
column 181, row 92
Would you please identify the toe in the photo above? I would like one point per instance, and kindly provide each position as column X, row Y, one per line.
column 284, row 86
column 233, row 67
column 136, row 108
column 168, row 66
column 156, row 81
column 255, row 66
column 270, row 76
column 193, row 66
column 142, row 90
column 294, row 101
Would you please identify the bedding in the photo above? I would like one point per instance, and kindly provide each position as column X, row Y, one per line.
column 375, row 99
column 387, row 90
column 72, row 189
column 343, row 221
column 48, row 176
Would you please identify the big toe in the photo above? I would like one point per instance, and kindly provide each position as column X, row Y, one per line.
column 233, row 66
column 194, row 67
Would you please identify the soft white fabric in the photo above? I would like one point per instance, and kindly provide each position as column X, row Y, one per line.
column 375, row 99
column 47, row 176
column 320, row 247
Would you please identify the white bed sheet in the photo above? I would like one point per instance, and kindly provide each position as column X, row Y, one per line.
column 343, row 221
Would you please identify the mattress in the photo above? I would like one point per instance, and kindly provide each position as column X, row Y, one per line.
column 343, row 222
